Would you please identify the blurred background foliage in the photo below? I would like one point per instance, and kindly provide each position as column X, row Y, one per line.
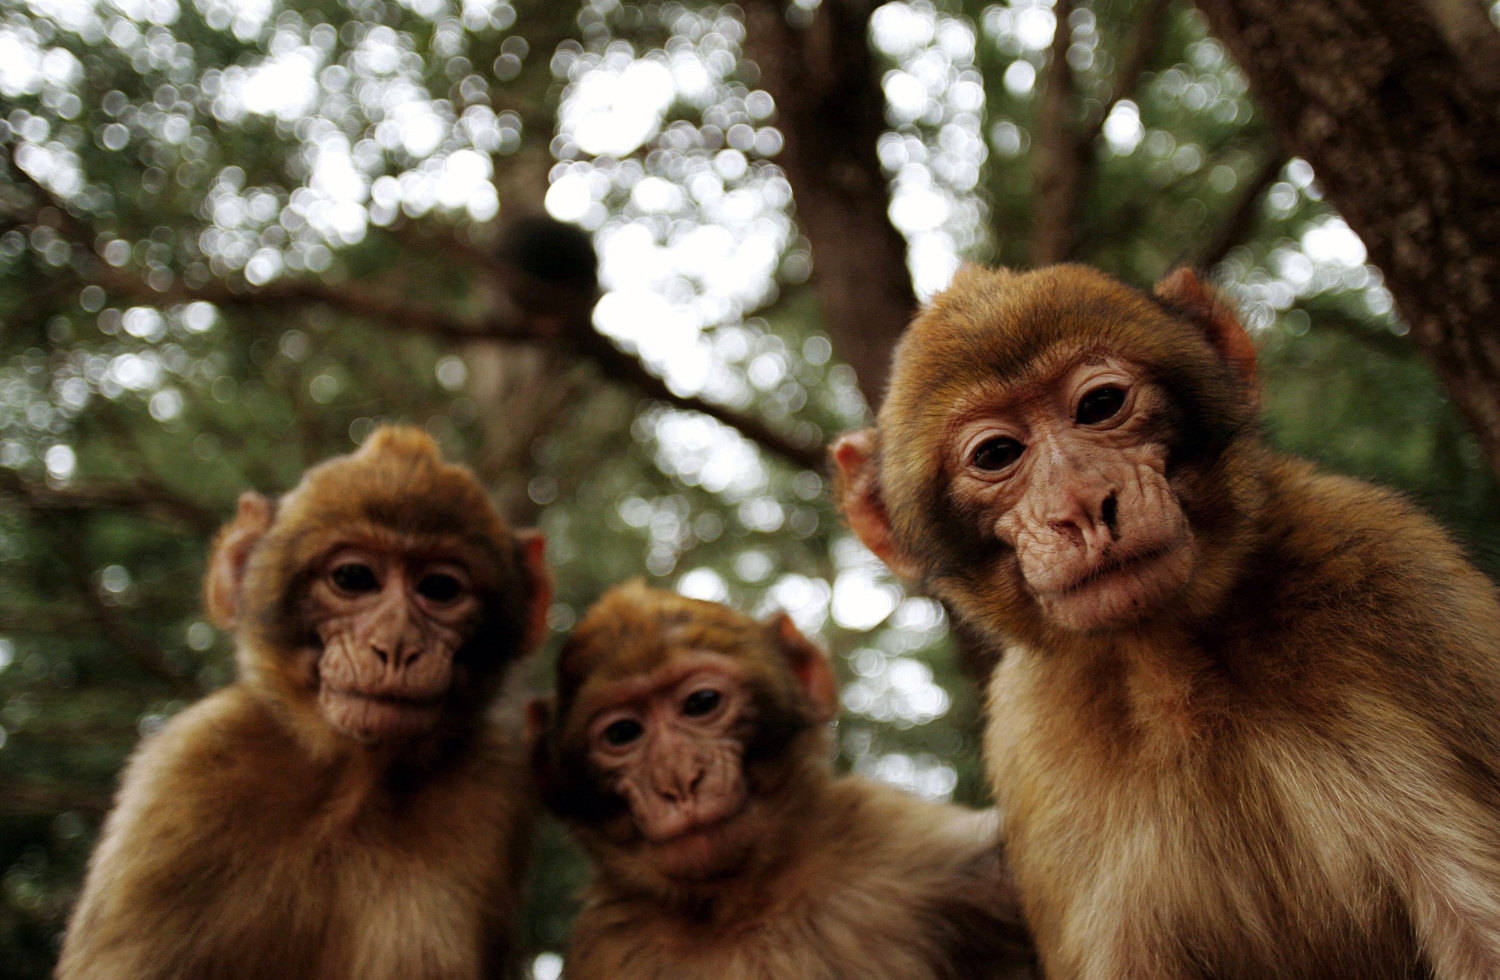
column 235, row 236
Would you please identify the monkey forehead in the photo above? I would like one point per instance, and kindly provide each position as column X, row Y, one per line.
column 995, row 331
column 397, row 480
column 998, row 325
column 633, row 629
column 618, row 686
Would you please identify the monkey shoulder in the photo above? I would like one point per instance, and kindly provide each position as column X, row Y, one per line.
column 222, row 817
column 1369, row 546
column 1357, row 582
column 926, row 855
column 930, row 873
column 884, row 885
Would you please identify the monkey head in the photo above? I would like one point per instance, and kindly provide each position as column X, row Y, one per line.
column 681, row 733
column 382, row 596
column 1049, row 455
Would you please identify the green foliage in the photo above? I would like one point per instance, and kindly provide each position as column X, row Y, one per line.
column 168, row 194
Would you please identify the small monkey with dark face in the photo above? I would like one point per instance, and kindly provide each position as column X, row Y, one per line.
column 689, row 752
column 1246, row 720
column 346, row 808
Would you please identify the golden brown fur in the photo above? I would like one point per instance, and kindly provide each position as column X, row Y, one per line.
column 843, row 877
column 251, row 838
column 1291, row 767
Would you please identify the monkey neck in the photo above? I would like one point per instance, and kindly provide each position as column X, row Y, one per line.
column 366, row 768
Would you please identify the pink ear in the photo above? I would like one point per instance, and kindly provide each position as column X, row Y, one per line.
column 809, row 665
column 230, row 555
column 857, row 494
column 1182, row 289
column 539, row 580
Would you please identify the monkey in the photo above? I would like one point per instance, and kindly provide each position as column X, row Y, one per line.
column 687, row 747
column 349, row 806
column 1245, row 720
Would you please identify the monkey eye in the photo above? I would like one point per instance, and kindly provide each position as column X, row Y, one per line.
column 354, row 578
column 622, row 732
column 701, row 702
column 996, row 453
column 1100, row 404
column 439, row 587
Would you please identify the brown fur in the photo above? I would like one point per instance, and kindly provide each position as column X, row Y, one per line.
column 845, row 878
column 252, row 839
column 1290, row 768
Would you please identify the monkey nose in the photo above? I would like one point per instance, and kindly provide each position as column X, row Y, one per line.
column 681, row 786
column 1109, row 513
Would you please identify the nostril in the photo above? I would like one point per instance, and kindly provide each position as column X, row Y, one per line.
column 1109, row 511
column 384, row 657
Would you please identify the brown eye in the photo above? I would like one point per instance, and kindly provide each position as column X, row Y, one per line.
column 1100, row 404
column 622, row 732
column 700, row 703
column 996, row 454
column 439, row 587
column 354, row 578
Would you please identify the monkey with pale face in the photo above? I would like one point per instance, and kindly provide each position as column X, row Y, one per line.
column 347, row 807
column 1246, row 715
column 688, row 750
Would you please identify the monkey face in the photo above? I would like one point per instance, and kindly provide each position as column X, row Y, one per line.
column 683, row 734
column 1050, row 457
column 1070, row 475
column 390, row 624
column 672, row 746
column 383, row 595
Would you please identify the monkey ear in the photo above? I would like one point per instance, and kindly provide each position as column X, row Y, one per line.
column 809, row 665
column 1182, row 290
column 533, row 549
column 857, row 494
column 231, row 552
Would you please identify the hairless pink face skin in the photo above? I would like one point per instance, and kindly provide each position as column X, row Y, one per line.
column 670, row 744
column 390, row 623
column 1077, row 485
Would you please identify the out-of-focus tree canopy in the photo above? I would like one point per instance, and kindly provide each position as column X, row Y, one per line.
column 235, row 236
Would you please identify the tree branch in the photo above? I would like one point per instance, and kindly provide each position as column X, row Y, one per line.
column 1236, row 225
column 520, row 322
column 141, row 496
column 619, row 366
column 1139, row 47
column 1061, row 156
column 21, row 800
column 116, row 631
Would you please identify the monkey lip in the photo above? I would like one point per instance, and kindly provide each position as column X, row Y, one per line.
column 1122, row 589
column 373, row 715
column 1128, row 563
column 699, row 850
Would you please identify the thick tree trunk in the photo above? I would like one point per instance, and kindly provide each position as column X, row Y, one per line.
column 830, row 109
column 1393, row 103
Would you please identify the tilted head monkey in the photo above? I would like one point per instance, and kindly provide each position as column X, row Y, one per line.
column 688, row 749
column 384, row 591
column 346, row 807
column 1246, row 719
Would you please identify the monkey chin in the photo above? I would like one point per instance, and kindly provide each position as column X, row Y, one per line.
column 702, row 852
column 379, row 718
column 1121, row 593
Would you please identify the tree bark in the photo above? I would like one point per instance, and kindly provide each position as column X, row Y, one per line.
column 1399, row 121
column 831, row 110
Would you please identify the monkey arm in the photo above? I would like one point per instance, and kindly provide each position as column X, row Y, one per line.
column 161, row 859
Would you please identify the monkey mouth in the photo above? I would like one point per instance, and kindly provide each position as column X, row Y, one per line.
column 1114, row 566
column 1121, row 590
column 371, row 717
column 700, row 850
